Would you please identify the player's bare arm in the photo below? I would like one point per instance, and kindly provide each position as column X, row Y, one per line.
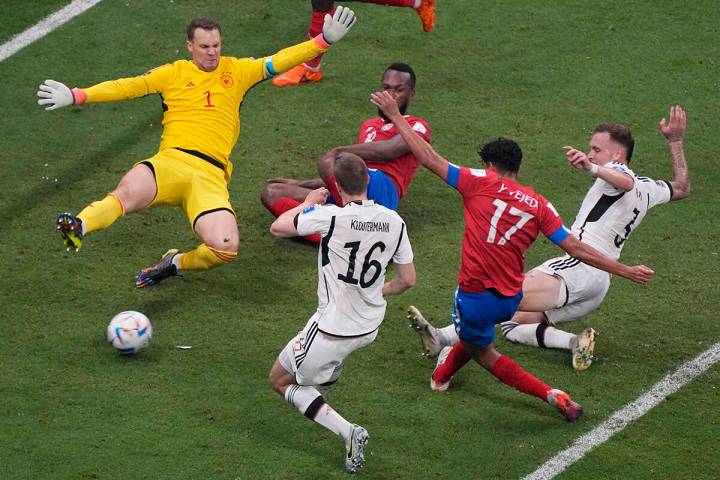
column 404, row 279
column 587, row 254
column 284, row 225
column 578, row 159
column 381, row 150
column 419, row 147
column 674, row 131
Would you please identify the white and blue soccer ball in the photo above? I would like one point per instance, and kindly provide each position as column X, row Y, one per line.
column 129, row 332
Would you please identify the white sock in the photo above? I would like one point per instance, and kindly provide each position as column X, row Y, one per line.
column 417, row 4
column 311, row 404
column 176, row 261
column 448, row 335
column 526, row 333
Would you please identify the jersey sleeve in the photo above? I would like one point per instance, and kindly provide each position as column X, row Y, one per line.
column 251, row 71
column 152, row 81
column 314, row 219
column 550, row 222
column 467, row 181
column 403, row 251
column 658, row 191
column 609, row 189
column 422, row 128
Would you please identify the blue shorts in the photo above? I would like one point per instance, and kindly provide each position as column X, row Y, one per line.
column 476, row 314
column 381, row 189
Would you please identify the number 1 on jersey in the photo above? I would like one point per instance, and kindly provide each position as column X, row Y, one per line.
column 501, row 206
column 207, row 98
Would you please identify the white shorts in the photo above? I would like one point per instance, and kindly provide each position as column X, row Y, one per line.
column 316, row 358
column 585, row 286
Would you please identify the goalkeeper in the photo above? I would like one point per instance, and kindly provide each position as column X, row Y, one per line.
column 201, row 100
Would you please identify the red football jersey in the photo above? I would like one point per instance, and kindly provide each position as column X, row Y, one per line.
column 402, row 169
column 502, row 219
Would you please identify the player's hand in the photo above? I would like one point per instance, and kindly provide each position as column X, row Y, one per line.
column 385, row 102
column 317, row 196
column 55, row 95
column 674, row 130
column 337, row 26
column 640, row 274
column 577, row 158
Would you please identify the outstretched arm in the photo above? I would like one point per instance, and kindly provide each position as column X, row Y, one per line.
column 579, row 160
column 587, row 254
column 334, row 29
column 419, row 147
column 674, row 131
column 284, row 225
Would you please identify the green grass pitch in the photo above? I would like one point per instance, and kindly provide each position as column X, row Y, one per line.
column 543, row 73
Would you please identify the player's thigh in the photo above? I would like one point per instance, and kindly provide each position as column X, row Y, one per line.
column 586, row 290
column 542, row 291
column 476, row 314
column 137, row 189
column 316, row 358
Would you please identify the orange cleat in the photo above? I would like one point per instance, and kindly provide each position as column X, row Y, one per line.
column 572, row 411
column 426, row 12
column 297, row 76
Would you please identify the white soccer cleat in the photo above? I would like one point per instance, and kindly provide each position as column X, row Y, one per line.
column 355, row 458
column 582, row 356
column 438, row 386
column 428, row 334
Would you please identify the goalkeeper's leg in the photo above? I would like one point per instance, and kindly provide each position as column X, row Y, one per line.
column 135, row 191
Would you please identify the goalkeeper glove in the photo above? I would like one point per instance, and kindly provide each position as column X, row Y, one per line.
column 337, row 26
column 55, row 94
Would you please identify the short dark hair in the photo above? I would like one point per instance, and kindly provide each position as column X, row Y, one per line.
column 505, row 155
column 403, row 67
column 204, row 23
column 351, row 173
column 620, row 134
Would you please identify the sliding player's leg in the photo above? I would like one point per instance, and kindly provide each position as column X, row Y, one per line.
column 135, row 191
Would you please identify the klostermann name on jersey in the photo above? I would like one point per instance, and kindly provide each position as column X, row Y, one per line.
column 502, row 219
column 608, row 215
column 358, row 241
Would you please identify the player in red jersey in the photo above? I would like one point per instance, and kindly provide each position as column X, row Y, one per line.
column 311, row 71
column 502, row 219
column 391, row 164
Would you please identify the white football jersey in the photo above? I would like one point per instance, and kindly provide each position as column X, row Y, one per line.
column 358, row 241
column 608, row 215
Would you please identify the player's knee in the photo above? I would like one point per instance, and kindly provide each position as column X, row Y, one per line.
column 271, row 194
column 325, row 165
column 224, row 247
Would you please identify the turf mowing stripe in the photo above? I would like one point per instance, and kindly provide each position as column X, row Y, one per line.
column 44, row 26
column 622, row 418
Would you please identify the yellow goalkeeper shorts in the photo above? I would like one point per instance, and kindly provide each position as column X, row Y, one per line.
column 190, row 182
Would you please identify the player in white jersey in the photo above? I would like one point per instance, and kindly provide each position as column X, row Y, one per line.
column 564, row 289
column 358, row 242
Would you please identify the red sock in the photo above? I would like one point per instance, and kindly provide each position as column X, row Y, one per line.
column 510, row 373
column 457, row 359
column 392, row 3
column 315, row 29
column 283, row 205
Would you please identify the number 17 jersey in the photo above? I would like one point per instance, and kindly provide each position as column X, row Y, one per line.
column 502, row 219
column 358, row 241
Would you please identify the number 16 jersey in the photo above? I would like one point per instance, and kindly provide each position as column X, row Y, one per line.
column 502, row 219
column 358, row 241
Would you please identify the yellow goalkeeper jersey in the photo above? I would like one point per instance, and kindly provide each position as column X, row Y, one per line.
column 202, row 109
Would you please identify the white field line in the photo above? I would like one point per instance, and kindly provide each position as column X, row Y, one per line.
column 622, row 418
column 45, row 26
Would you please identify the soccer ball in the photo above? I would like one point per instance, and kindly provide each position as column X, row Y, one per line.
column 129, row 332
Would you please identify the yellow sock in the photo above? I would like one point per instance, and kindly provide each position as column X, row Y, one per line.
column 101, row 214
column 204, row 257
